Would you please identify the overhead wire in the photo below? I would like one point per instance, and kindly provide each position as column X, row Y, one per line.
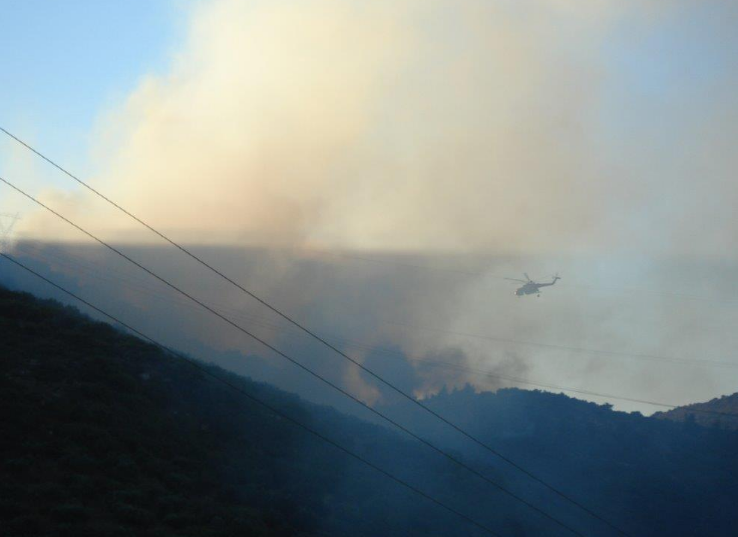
column 584, row 350
column 500, row 339
column 479, row 273
column 377, row 351
column 295, row 362
column 257, row 400
column 358, row 364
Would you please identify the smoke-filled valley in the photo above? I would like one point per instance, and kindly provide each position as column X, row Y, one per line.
column 427, row 322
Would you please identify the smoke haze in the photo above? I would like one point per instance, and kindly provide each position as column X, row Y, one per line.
column 488, row 138
column 432, row 126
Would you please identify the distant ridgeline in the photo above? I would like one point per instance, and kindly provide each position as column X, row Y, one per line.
column 719, row 412
column 105, row 435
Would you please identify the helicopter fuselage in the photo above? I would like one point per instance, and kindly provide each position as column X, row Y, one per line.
column 528, row 289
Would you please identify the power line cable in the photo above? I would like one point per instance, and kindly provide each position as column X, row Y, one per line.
column 388, row 353
column 377, row 351
column 603, row 352
column 354, row 257
column 496, row 339
column 497, row 276
column 387, row 383
column 579, row 390
column 297, row 363
column 258, row 401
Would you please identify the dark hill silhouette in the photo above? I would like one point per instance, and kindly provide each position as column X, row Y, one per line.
column 662, row 477
column 103, row 434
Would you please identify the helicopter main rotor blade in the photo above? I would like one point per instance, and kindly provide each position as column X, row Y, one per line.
column 515, row 280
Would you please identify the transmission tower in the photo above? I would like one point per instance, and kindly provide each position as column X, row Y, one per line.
column 7, row 223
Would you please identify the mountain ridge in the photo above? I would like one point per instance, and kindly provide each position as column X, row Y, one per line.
column 718, row 412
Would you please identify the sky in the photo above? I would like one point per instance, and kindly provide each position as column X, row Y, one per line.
column 65, row 64
column 589, row 137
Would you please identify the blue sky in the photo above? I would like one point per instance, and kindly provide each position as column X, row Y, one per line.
column 65, row 62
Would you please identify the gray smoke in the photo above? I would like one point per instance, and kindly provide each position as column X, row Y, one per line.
column 451, row 144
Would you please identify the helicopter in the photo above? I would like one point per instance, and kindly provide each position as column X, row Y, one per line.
column 530, row 287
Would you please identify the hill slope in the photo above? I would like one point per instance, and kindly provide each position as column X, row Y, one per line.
column 103, row 434
column 654, row 477
column 720, row 412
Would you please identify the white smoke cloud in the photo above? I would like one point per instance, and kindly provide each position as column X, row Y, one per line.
column 403, row 125
column 549, row 126
column 432, row 125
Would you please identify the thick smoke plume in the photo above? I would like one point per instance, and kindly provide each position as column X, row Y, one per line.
column 432, row 125
column 575, row 135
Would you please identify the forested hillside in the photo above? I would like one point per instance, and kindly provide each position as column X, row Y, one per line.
column 657, row 477
column 718, row 412
column 103, row 434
